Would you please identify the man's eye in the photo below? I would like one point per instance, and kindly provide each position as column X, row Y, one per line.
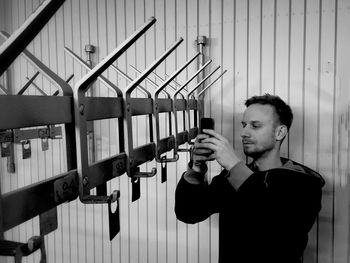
column 256, row 126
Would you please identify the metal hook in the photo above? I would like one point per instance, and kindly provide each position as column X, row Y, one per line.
column 182, row 137
column 128, row 113
column 84, row 170
column 169, row 141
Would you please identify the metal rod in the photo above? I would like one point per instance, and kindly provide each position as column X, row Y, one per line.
column 155, row 85
column 211, row 83
column 152, row 67
column 202, row 81
column 175, row 74
column 38, row 88
column 155, row 74
column 174, row 81
column 106, row 62
column 81, row 118
column 69, row 78
column 125, row 76
column 191, row 78
column 26, row 33
column 26, row 86
column 156, row 109
column 52, row 76
column 3, row 89
column 104, row 80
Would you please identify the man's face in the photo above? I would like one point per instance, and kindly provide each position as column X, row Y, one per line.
column 258, row 130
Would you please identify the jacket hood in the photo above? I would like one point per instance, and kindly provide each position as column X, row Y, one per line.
column 290, row 164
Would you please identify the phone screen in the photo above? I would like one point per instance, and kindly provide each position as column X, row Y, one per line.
column 206, row 123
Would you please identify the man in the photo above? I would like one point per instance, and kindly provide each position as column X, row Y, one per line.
column 266, row 207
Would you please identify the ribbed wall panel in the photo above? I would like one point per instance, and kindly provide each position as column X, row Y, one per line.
column 296, row 49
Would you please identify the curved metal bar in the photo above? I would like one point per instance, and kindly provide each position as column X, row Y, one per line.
column 83, row 168
column 152, row 67
column 184, row 136
column 191, row 78
column 53, row 77
column 201, row 82
column 153, row 73
column 211, row 83
column 125, row 76
column 155, row 85
column 89, row 68
column 174, row 75
column 156, row 114
column 18, row 41
column 128, row 113
column 177, row 85
column 193, row 104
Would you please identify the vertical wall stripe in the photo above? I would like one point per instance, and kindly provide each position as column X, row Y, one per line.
column 334, row 124
column 261, row 34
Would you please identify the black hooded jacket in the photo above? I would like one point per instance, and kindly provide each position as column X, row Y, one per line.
column 266, row 220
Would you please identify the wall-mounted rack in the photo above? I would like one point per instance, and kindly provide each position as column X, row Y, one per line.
column 66, row 113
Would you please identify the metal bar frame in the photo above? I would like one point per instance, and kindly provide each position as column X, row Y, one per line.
column 155, row 85
column 83, row 168
column 168, row 143
column 154, row 74
column 27, row 32
column 192, row 104
column 135, row 159
column 182, row 137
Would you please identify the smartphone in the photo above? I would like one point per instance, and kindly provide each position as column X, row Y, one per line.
column 206, row 123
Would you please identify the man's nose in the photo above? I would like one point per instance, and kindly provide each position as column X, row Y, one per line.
column 244, row 132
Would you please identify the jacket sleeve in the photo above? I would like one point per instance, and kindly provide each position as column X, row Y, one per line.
column 196, row 202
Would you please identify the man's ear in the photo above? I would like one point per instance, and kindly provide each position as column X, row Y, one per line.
column 281, row 132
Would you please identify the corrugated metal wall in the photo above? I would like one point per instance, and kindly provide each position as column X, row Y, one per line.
column 296, row 49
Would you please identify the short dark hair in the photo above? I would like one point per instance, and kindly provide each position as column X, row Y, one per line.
column 283, row 111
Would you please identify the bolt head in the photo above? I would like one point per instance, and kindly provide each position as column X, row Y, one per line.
column 85, row 181
column 81, row 108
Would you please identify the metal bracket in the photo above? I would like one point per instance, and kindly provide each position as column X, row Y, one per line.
column 85, row 172
column 19, row 250
column 192, row 104
column 181, row 105
column 19, row 136
column 167, row 144
column 141, row 106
